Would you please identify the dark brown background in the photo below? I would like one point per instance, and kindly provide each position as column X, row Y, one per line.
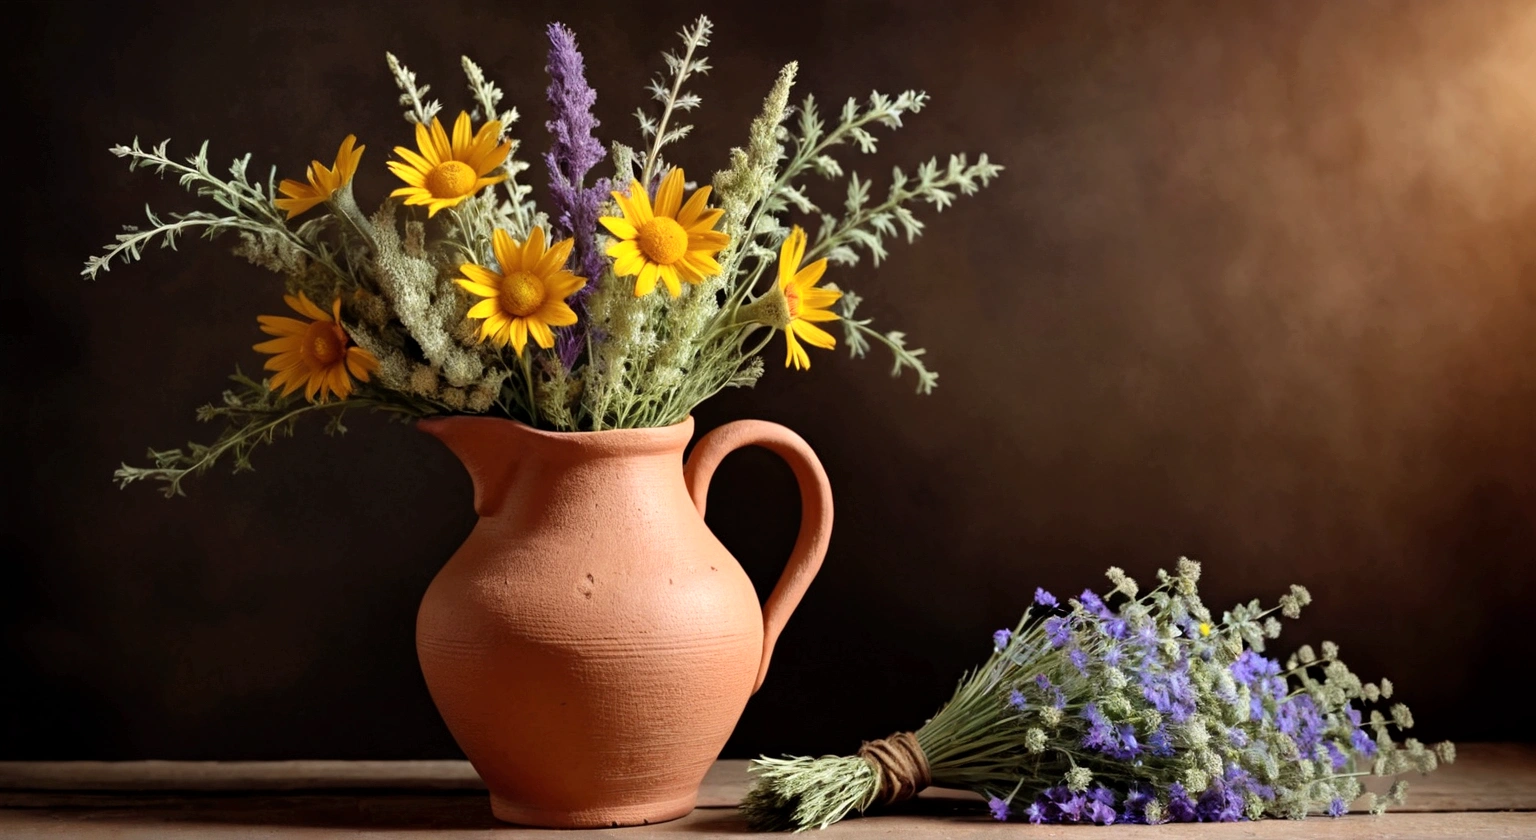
column 1258, row 286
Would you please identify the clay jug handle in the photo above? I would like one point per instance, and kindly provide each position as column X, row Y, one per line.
column 815, row 512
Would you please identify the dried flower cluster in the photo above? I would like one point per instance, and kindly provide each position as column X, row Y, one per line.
column 1142, row 708
column 632, row 298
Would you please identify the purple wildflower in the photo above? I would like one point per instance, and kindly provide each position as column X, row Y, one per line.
column 1113, row 656
column 999, row 809
column 1126, row 747
column 1094, row 604
column 1117, row 628
column 1058, row 630
column 1299, row 718
column 1335, row 755
column 1079, row 659
column 1337, row 808
column 1220, row 803
column 1136, row 799
column 1038, row 812
column 572, row 152
column 1016, row 700
column 1045, row 599
column 1101, row 813
column 1251, row 668
column 1000, row 638
column 1362, row 743
column 1100, row 735
column 1159, row 742
column 1071, row 810
column 1180, row 807
column 1237, row 737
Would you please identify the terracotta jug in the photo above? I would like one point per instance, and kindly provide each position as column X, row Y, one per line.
column 592, row 645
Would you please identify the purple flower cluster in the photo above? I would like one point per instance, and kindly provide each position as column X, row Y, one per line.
column 573, row 151
column 1060, row 805
column 1146, row 711
column 1000, row 638
column 1169, row 691
column 1116, row 741
column 1223, row 801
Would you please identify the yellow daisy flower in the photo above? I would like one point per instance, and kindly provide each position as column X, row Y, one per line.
column 805, row 302
column 527, row 296
column 313, row 353
column 322, row 181
column 670, row 241
column 447, row 172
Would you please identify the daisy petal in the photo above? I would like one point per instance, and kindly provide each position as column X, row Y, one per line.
column 619, row 227
column 425, row 144
column 481, row 276
column 668, row 276
column 669, row 196
column 807, row 277
column 461, row 134
column 689, row 214
column 541, row 334
column 508, row 255
column 533, row 249
column 646, row 282
column 808, row 314
column 484, row 309
column 556, row 314
column 813, row 335
column 519, row 334
column 554, row 258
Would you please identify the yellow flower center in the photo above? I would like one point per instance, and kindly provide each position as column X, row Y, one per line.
column 1205, row 628
column 325, row 343
column 522, row 293
column 663, row 240
column 451, row 179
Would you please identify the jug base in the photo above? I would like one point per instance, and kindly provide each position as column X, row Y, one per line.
column 599, row 816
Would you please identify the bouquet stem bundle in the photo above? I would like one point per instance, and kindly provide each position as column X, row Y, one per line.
column 1152, row 711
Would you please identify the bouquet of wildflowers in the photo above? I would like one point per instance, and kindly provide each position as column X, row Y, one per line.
column 1141, row 708
column 629, row 298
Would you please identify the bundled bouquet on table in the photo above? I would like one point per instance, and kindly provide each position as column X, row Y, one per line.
column 624, row 303
column 1131, row 707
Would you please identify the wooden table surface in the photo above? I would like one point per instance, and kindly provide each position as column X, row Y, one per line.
column 1489, row 792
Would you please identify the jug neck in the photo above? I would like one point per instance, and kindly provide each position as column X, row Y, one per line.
column 500, row 454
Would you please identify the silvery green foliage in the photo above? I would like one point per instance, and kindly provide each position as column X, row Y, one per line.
column 254, row 415
column 857, row 332
column 418, row 109
column 668, row 90
column 865, row 225
column 1138, row 707
column 246, row 208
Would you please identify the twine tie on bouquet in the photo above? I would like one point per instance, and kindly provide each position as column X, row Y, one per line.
column 899, row 765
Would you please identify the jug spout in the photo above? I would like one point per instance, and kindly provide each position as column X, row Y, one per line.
column 488, row 448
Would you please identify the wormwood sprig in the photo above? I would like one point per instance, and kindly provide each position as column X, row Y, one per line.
column 418, row 109
column 672, row 96
column 857, row 332
column 866, row 226
column 248, row 205
column 813, row 143
column 1147, row 711
column 254, row 415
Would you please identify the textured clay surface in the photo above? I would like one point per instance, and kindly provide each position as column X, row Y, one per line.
column 592, row 645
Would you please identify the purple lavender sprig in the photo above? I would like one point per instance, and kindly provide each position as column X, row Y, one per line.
column 573, row 151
